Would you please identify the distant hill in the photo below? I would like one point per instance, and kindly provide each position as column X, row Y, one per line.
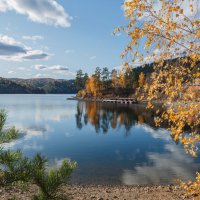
column 37, row 86
column 47, row 85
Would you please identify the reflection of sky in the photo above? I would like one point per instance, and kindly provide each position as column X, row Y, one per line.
column 48, row 125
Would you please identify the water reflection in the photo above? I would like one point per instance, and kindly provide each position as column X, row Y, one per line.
column 103, row 116
column 163, row 167
column 113, row 144
column 160, row 164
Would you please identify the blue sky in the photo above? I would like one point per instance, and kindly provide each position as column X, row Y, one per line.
column 48, row 38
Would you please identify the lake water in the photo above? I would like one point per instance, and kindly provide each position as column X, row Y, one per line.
column 112, row 144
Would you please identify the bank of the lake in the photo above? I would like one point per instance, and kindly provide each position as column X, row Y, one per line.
column 100, row 192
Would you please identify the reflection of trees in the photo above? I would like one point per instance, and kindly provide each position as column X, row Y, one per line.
column 79, row 116
column 105, row 116
column 92, row 114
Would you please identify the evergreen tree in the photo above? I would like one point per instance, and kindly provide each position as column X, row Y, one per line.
column 97, row 79
column 105, row 74
column 15, row 167
column 97, row 73
column 105, row 77
column 85, row 78
column 79, row 80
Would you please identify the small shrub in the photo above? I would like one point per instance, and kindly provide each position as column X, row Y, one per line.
column 3, row 117
column 17, row 168
column 50, row 180
column 8, row 134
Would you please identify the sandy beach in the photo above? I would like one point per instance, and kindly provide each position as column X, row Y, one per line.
column 99, row 192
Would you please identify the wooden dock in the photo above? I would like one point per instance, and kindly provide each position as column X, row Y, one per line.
column 111, row 100
column 121, row 100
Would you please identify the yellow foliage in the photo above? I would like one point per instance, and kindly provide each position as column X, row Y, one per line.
column 169, row 33
column 192, row 188
column 82, row 93
column 92, row 86
column 141, row 80
column 114, row 78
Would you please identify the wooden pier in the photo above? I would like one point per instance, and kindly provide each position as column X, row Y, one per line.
column 111, row 100
column 121, row 100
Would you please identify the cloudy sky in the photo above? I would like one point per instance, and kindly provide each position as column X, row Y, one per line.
column 55, row 38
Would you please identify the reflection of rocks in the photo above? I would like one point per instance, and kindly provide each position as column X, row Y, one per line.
column 164, row 167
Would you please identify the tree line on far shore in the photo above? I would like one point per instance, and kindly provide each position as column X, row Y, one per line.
column 103, row 82
column 127, row 82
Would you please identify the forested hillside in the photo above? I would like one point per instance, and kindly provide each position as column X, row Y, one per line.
column 130, row 81
column 37, row 86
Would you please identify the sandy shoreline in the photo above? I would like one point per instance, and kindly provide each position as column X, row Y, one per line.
column 99, row 192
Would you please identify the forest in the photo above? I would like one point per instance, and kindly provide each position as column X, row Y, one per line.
column 131, row 82
column 37, row 86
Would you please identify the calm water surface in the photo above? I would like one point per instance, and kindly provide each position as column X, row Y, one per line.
column 111, row 144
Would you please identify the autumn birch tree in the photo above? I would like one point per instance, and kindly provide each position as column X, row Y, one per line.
column 168, row 33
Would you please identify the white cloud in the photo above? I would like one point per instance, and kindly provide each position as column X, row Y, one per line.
column 33, row 37
column 23, row 69
column 9, row 45
column 11, row 72
column 48, row 12
column 3, row 6
column 53, row 67
column 58, row 68
column 69, row 51
column 12, row 50
column 93, row 57
column 40, row 67
column 53, row 71
column 36, row 55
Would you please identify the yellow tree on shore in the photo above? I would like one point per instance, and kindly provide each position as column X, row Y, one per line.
column 126, row 77
column 92, row 86
column 114, row 78
column 168, row 33
column 141, row 79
